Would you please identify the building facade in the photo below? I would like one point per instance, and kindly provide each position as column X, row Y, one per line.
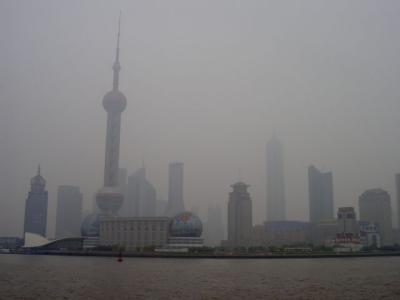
column 347, row 221
column 36, row 206
column 175, row 189
column 369, row 234
column 276, row 206
column 134, row 232
column 320, row 189
column 281, row 233
column 240, row 221
column 69, row 211
column 375, row 207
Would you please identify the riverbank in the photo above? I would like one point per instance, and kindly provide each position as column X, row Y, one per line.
column 214, row 256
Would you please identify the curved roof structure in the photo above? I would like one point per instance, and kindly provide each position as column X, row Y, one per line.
column 36, row 241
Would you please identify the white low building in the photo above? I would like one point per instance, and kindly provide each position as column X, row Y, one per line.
column 134, row 232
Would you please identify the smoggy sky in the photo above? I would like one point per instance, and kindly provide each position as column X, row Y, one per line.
column 207, row 83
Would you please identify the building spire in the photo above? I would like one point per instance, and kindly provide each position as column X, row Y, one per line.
column 38, row 170
column 117, row 66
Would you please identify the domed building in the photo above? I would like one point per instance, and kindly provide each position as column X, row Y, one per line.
column 185, row 231
column 90, row 225
column 185, row 224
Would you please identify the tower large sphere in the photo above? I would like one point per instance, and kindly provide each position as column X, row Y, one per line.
column 114, row 101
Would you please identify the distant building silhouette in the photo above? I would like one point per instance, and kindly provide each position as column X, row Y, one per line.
column 214, row 230
column 36, row 206
column 320, row 188
column 240, row 220
column 161, row 207
column 275, row 186
column 398, row 199
column 123, row 188
column 69, row 211
column 375, row 207
column 141, row 196
column 123, row 180
column 175, row 189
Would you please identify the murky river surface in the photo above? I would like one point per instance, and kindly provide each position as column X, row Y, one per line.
column 58, row 277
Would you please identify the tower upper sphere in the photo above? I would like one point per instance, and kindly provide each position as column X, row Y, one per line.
column 114, row 101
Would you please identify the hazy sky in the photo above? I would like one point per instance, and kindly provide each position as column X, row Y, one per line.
column 207, row 83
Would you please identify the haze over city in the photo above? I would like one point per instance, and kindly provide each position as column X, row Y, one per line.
column 207, row 83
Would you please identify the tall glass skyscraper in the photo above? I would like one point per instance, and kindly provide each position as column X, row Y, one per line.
column 320, row 189
column 375, row 207
column 175, row 189
column 276, row 205
column 69, row 211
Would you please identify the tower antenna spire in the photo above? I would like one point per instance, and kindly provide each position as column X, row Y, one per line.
column 117, row 66
column 38, row 169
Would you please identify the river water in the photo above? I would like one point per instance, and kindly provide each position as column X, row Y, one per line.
column 62, row 277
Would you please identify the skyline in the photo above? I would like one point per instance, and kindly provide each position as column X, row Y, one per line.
column 184, row 101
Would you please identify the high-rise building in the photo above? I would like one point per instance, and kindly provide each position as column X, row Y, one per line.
column 141, row 196
column 123, row 180
column 276, row 207
column 175, row 189
column 214, row 230
column 36, row 206
column 109, row 199
column 123, row 187
column 398, row 199
column 375, row 207
column 320, row 188
column 69, row 211
column 240, row 221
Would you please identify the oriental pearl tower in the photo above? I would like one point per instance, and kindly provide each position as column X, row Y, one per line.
column 109, row 198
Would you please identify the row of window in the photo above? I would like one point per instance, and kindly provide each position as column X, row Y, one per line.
column 138, row 236
column 115, row 226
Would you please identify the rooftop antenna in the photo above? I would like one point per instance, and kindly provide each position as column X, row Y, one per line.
column 117, row 66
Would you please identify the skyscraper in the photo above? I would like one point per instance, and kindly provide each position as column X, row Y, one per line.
column 320, row 188
column 375, row 207
column 240, row 221
column 214, row 231
column 36, row 206
column 175, row 189
column 123, row 188
column 109, row 199
column 141, row 195
column 276, row 206
column 69, row 211
column 398, row 199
